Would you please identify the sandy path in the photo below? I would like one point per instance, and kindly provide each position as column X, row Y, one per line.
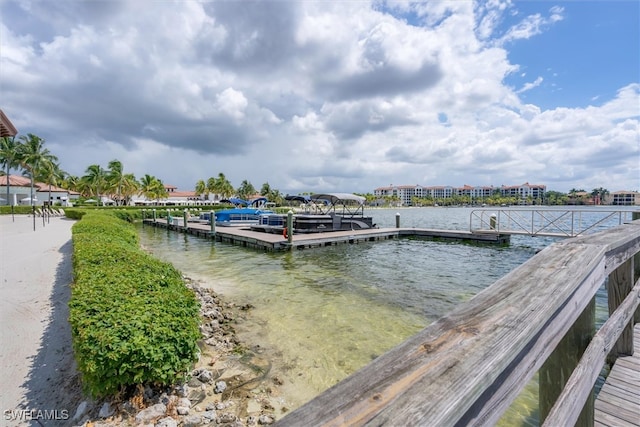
column 37, row 368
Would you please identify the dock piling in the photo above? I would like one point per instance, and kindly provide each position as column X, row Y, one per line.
column 290, row 227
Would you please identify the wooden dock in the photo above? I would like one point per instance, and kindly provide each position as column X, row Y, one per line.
column 618, row 403
column 244, row 236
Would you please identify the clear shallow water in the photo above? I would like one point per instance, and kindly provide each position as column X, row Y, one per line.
column 321, row 314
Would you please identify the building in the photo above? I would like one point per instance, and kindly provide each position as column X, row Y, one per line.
column 20, row 192
column 625, row 198
column 525, row 193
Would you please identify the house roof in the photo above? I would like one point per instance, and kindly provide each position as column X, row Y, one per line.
column 6, row 127
column 21, row 181
column 15, row 181
column 182, row 194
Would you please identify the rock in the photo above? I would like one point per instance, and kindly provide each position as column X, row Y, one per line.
column 194, row 383
column 182, row 410
column 105, row 411
column 167, row 422
column 209, row 416
column 192, row 421
column 151, row 413
column 221, row 386
column 148, row 392
column 82, row 408
column 205, row 376
column 182, row 390
column 183, row 401
column 265, row 419
column 226, row 418
column 197, row 396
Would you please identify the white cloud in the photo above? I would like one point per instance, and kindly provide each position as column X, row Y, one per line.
column 309, row 96
column 528, row 86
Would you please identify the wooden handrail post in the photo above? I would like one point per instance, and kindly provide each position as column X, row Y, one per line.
column 619, row 286
column 557, row 369
column 636, row 262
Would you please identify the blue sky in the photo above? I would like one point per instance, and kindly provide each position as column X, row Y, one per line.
column 584, row 59
column 314, row 96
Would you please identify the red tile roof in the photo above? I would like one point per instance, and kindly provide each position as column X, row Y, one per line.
column 6, row 127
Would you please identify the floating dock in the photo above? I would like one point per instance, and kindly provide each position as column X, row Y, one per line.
column 244, row 236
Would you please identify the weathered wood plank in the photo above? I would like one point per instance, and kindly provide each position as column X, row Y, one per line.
column 622, row 399
column 619, row 411
column 578, row 388
column 619, row 286
column 620, row 395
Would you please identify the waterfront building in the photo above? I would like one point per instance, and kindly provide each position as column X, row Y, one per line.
column 625, row 198
column 403, row 194
column 524, row 192
column 20, row 192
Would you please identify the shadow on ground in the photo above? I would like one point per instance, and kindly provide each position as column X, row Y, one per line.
column 53, row 389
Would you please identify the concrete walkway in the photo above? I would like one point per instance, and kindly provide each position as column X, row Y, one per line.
column 38, row 371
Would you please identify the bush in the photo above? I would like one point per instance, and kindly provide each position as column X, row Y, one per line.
column 133, row 320
column 17, row 209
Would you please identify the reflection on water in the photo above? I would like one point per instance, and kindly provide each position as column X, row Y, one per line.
column 323, row 313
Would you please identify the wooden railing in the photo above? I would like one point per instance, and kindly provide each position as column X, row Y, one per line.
column 470, row 365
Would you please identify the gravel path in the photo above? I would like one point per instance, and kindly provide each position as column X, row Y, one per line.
column 39, row 382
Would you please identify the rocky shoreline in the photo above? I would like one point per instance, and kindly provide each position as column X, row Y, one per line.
column 230, row 385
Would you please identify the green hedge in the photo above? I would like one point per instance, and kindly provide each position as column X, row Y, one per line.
column 133, row 320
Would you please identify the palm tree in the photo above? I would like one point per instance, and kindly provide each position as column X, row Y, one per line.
column 50, row 174
column 115, row 177
column 201, row 188
column 152, row 188
column 32, row 156
column 71, row 182
column 224, row 186
column 599, row 194
column 130, row 186
column 95, row 179
column 9, row 151
column 246, row 190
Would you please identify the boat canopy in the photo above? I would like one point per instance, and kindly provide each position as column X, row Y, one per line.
column 302, row 199
column 338, row 198
column 259, row 201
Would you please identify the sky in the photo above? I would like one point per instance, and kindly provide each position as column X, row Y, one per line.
column 331, row 96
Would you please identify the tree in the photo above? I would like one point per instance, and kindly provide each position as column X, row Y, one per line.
column 32, row 156
column 220, row 186
column 599, row 194
column 9, row 157
column 95, row 179
column 152, row 188
column 201, row 188
column 71, row 182
column 115, row 175
column 130, row 187
column 246, row 190
column 51, row 174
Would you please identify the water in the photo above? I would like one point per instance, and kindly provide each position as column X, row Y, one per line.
column 321, row 314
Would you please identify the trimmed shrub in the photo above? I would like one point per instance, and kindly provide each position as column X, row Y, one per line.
column 133, row 320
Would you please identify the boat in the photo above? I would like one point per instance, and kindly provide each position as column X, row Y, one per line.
column 324, row 212
column 240, row 216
